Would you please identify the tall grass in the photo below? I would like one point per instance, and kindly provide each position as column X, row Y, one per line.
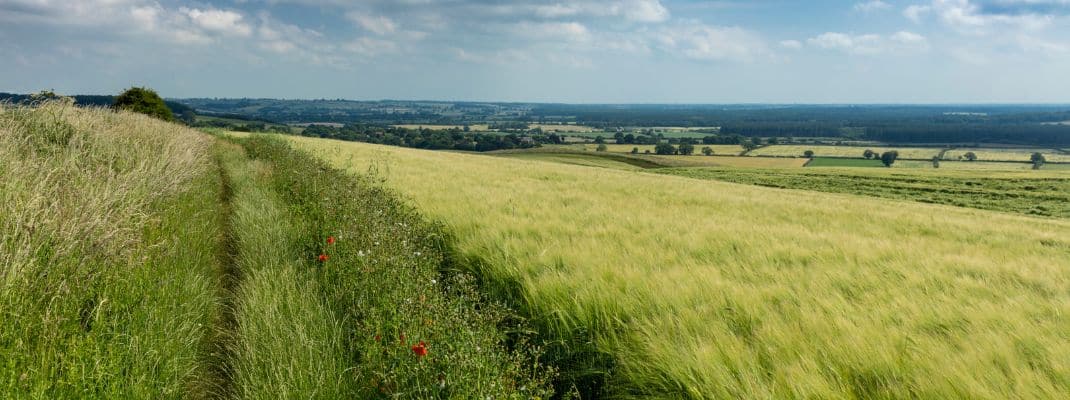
column 108, row 224
column 698, row 289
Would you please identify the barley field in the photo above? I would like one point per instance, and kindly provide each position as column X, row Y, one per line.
column 705, row 289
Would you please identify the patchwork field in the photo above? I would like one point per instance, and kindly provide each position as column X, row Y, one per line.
column 573, row 159
column 718, row 149
column 705, row 289
column 925, row 153
column 845, row 162
column 1020, row 155
column 1032, row 193
column 727, row 161
column 566, row 128
column 473, row 127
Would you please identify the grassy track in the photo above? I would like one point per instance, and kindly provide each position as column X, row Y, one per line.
column 718, row 290
column 1024, row 193
column 286, row 343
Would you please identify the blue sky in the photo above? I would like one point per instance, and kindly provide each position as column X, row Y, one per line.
column 613, row 51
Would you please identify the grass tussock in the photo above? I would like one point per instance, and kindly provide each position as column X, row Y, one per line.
column 108, row 221
column 717, row 290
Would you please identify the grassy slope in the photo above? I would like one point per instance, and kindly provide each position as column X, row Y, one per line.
column 145, row 260
column 110, row 227
column 717, row 290
column 1042, row 193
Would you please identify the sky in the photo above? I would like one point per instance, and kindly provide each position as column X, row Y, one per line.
column 584, row 51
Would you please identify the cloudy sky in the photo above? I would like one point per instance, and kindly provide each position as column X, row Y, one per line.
column 616, row 51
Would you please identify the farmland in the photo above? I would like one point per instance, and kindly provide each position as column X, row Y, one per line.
column 475, row 127
column 1046, row 194
column 845, row 162
column 573, row 159
column 921, row 153
column 740, row 291
column 1009, row 154
column 643, row 148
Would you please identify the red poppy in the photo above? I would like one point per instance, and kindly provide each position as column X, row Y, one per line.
column 378, row 338
column 420, row 349
column 401, row 338
column 330, row 239
column 323, row 258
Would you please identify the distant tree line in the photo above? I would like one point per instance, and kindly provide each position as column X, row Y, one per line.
column 452, row 139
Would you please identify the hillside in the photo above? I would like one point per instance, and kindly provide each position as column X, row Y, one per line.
column 142, row 259
column 669, row 286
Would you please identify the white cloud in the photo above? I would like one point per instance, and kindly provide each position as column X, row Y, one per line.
column 910, row 40
column 872, row 6
column 379, row 25
column 791, row 44
column 370, row 47
column 567, row 31
column 916, row 12
column 220, row 21
column 870, row 44
column 644, row 10
column 1037, row 45
column 704, row 42
column 968, row 17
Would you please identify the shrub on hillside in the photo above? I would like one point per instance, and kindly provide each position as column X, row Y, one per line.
column 145, row 101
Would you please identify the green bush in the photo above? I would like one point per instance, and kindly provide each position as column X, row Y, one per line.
column 145, row 101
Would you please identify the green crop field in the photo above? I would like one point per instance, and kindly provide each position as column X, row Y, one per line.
column 666, row 286
column 979, row 165
column 923, row 153
column 1033, row 193
column 844, row 162
column 1020, row 155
